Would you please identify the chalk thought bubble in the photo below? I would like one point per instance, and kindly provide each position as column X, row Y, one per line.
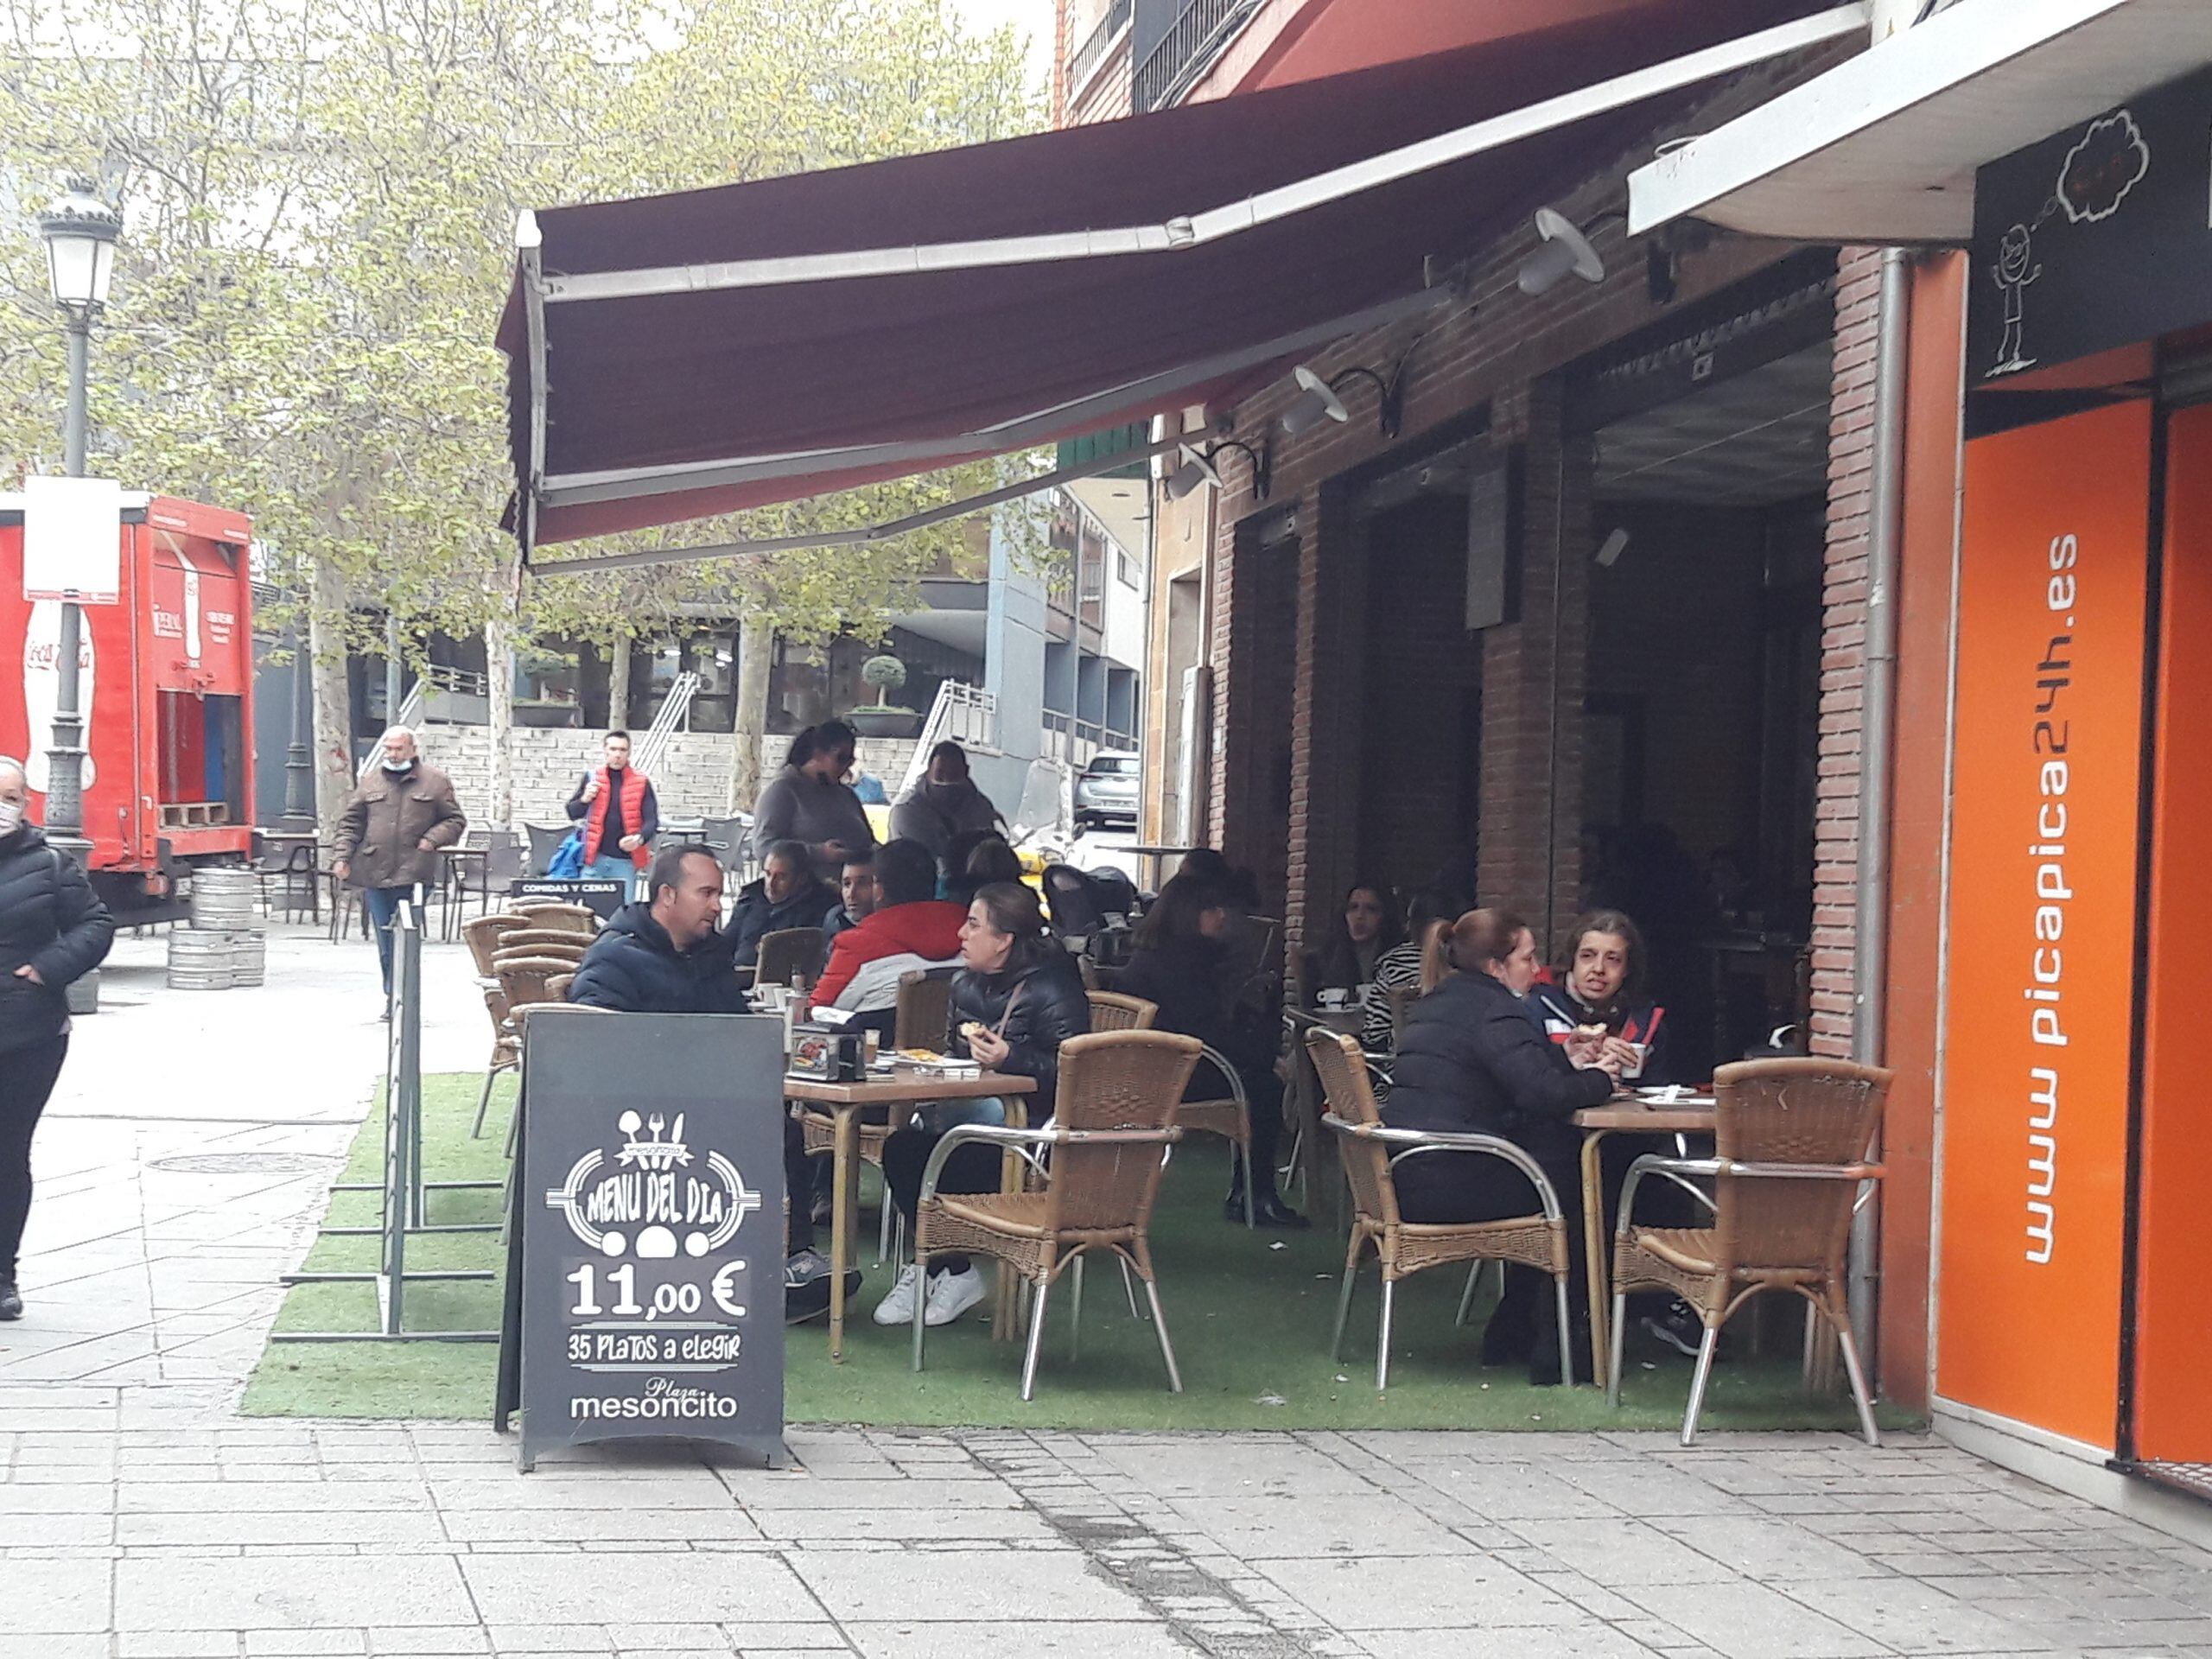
column 2110, row 161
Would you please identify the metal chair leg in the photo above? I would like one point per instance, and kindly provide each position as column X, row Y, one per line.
column 1160, row 1328
column 1566, row 1340
column 1128, row 1285
column 1036, row 1342
column 1343, row 1297
column 1074, row 1311
column 1861, row 1395
column 921, row 1297
column 1383, row 1339
column 1467, row 1296
column 1698, row 1380
column 883, row 1229
column 1616, row 1337
column 483, row 1104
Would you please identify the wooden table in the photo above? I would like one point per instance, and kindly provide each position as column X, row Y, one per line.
column 1623, row 1115
column 846, row 1100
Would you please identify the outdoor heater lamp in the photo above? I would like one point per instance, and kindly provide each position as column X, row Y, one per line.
column 79, row 231
column 1566, row 252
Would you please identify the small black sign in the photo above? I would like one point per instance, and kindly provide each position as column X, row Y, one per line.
column 605, row 898
column 646, row 1296
column 2098, row 237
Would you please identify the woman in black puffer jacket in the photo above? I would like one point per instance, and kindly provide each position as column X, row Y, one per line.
column 1470, row 1061
column 51, row 930
column 1024, row 992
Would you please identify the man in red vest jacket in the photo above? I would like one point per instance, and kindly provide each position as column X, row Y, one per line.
column 619, row 813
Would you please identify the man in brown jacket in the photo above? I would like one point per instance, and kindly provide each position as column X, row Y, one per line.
column 389, row 838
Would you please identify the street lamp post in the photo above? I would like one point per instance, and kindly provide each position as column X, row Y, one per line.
column 79, row 231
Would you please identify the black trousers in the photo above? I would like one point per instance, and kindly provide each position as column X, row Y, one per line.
column 26, row 1078
column 799, row 1189
column 1264, row 1103
column 974, row 1168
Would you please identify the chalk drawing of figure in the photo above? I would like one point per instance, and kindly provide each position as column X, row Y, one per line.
column 2012, row 274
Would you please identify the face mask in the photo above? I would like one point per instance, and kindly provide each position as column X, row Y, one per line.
column 11, row 816
column 399, row 766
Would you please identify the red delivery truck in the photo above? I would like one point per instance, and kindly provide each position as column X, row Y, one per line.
column 165, row 677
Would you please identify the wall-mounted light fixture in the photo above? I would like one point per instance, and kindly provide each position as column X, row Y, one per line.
column 1319, row 400
column 1199, row 468
column 1566, row 252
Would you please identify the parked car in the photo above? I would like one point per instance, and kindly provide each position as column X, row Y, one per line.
column 1106, row 792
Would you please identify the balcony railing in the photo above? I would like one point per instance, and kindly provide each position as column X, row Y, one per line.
column 1096, row 45
column 1193, row 41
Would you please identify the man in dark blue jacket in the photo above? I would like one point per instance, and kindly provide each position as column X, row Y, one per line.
column 788, row 894
column 662, row 956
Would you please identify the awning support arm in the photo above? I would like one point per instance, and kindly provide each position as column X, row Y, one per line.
column 530, row 250
column 864, row 534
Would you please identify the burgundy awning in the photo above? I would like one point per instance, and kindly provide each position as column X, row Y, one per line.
column 683, row 378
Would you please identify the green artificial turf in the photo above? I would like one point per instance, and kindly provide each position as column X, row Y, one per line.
column 1249, row 1315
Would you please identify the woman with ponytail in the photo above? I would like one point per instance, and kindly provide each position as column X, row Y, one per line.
column 1471, row 1061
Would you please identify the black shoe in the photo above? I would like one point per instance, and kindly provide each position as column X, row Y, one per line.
column 1543, row 1357
column 806, row 1287
column 11, row 1301
column 1269, row 1211
column 1681, row 1329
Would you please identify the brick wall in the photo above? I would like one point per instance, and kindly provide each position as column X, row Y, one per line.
column 1851, row 454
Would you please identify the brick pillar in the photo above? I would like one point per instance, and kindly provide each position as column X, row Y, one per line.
column 1843, row 633
column 1529, row 844
column 1325, row 714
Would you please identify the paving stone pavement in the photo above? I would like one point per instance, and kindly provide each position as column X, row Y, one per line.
column 141, row 1518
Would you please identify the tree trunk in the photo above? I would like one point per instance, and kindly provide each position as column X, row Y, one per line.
column 334, row 774
column 756, row 647
column 500, row 682
column 617, row 683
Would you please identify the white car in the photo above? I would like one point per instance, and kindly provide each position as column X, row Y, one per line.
column 1106, row 792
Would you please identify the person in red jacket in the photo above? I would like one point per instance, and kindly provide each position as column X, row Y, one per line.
column 619, row 813
column 910, row 928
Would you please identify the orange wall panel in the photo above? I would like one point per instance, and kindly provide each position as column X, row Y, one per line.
column 2173, row 1402
column 2053, row 561
column 1918, row 807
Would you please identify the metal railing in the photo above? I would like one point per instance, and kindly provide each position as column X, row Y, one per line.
column 1193, row 41
column 1087, row 57
column 675, row 711
column 966, row 714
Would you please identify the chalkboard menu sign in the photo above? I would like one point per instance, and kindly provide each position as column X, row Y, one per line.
column 646, row 1267
column 604, row 897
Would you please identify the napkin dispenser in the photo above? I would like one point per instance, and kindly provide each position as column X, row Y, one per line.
column 828, row 1054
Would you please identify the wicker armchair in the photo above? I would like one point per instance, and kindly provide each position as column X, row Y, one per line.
column 1111, row 1011
column 1789, row 1163
column 925, row 1008
column 1371, row 1151
column 1113, row 1119
column 790, row 955
column 545, row 941
column 557, row 913
column 483, row 936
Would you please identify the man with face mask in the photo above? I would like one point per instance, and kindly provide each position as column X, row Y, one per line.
column 51, row 930
column 945, row 803
column 389, row 837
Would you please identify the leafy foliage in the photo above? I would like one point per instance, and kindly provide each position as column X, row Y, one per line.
column 318, row 199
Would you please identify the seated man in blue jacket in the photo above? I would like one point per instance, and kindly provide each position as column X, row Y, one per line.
column 788, row 894
column 664, row 956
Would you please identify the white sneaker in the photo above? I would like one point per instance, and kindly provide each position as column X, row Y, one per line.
column 896, row 1306
column 951, row 1294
